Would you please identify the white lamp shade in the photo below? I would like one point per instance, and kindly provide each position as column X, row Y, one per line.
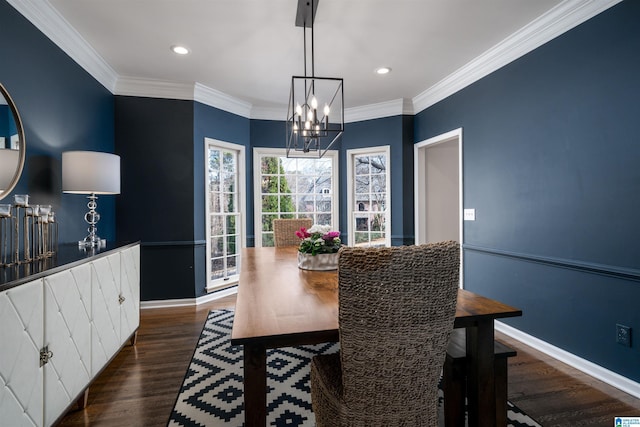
column 90, row 172
column 8, row 165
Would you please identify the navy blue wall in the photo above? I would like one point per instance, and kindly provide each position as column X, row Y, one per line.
column 62, row 108
column 551, row 166
column 161, row 142
column 154, row 138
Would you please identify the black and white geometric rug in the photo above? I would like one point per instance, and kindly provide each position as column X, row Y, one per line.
column 212, row 392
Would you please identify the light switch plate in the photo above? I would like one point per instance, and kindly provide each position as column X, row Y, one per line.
column 469, row 214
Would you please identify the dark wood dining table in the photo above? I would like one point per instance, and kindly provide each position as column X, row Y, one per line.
column 280, row 305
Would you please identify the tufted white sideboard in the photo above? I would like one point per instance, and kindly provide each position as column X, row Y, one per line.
column 60, row 327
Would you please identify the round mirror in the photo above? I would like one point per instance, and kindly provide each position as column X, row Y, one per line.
column 12, row 145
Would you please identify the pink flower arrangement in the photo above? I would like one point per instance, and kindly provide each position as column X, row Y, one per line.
column 319, row 239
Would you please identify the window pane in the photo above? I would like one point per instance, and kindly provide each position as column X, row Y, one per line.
column 362, row 184
column 231, row 224
column 269, row 165
column 305, row 184
column 323, row 185
column 214, row 162
column 232, row 247
column 267, row 240
column 229, row 202
column 217, row 246
column 288, row 165
column 229, row 162
column 286, row 184
column 323, row 219
column 323, row 205
column 377, row 222
column 217, row 268
column 229, row 182
column 323, row 166
column 223, row 233
column 269, row 184
column 378, row 164
column 214, row 202
column 362, row 165
column 379, row 183
column 361, row 237
column 270, row 203
column 217, row 223
column 267, row 222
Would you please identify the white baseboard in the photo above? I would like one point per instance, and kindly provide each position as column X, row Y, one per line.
column 189, row 301
column 589, row 368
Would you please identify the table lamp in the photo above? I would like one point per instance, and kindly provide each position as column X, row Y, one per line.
column 92, row 173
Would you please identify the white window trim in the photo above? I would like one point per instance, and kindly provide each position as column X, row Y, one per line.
column 258, row 153
column 386, row 149
column 242, row 201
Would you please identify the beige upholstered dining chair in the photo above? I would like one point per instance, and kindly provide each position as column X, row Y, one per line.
column 284, row 230
column 396, row 312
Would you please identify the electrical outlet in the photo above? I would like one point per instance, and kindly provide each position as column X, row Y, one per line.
column 623, row 335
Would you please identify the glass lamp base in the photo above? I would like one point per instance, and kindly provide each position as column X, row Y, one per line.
column 92, row 217
column 92, row 242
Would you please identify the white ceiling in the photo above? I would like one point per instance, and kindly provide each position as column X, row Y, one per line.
column 246, row 51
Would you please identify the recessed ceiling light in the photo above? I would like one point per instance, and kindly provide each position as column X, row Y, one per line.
column 383, row 70
column 180, row 50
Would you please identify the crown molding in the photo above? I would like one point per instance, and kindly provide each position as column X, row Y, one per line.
column 395, row 107
column 148, row 88
column 555, row 22
column 560, row 19
column 57, row 29
column 221, row 100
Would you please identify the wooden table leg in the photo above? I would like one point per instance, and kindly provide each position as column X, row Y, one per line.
column 255, row 385
column 481, row 380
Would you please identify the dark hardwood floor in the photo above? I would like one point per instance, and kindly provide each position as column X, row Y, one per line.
column 140, row 385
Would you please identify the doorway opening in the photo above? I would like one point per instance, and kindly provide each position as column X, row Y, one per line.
column 438, row 189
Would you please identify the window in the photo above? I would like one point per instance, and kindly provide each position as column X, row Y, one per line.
column 369, row 197
column 293, row 188
column 224, row 204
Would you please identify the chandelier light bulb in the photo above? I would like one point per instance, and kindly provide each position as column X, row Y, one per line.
column 314, row 102
column 298, row 109
column 326, row 109
column 307, row 124
column 295, row 127
column 310, row 115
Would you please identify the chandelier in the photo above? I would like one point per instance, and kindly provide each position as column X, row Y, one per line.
column 315, row 117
